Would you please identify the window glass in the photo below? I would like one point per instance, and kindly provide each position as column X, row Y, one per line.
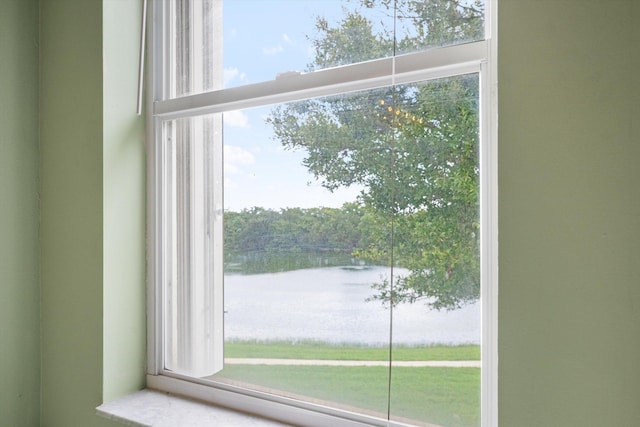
column 297, row 319
column 436, row 237
column 430, row 24
column 351, row 224
column 215, row 44
column 265, row 38
column 324, row 250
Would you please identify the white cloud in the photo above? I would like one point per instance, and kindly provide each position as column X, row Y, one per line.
column 235, row 158
column 230, row 184
column 231, row 169
column 236, row 119
column 273, row 50
column 233, row 74
column 287, row 39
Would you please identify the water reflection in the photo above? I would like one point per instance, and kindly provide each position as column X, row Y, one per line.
column 329, row 304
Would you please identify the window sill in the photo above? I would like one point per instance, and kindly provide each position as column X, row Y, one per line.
column 149, row 408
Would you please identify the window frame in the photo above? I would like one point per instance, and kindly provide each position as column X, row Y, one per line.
column 475, row 57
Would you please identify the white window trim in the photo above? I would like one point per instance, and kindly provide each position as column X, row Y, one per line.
column 442, row 62
column 420, row 66
column 489, row 219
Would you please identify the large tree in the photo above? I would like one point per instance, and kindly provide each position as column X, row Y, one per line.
column 413, row 149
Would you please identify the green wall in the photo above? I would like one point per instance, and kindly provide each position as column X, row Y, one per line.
column 124, row 212
column 71, row 209
column 569, row 316
column 92, row 208
column 19, row 296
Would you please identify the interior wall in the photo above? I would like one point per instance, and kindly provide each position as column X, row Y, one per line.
column 92, row 233
column 71, row 215
column 19, row 287
column 569, row 206
column 124, row 286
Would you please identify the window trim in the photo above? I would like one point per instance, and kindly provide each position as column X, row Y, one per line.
column 425, row 65
column 489, row 220
column 475, row 57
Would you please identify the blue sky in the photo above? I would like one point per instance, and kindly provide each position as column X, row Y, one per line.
column 257, row 46
column 259, row 172
column 265, row 37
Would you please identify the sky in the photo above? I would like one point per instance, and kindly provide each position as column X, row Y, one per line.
column 257, row 46
column 262, row 38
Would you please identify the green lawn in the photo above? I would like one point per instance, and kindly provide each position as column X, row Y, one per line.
column 443, row 396
column 324, row 351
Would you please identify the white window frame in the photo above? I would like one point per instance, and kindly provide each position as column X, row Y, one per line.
column 477, row 57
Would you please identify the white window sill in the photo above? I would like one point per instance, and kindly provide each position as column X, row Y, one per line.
column 149, row 408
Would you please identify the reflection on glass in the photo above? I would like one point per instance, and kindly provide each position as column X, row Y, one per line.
column 351, row 223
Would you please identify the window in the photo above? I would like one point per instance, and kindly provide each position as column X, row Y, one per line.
column 323, row 209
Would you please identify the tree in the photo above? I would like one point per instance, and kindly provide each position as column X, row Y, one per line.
column 413, row 148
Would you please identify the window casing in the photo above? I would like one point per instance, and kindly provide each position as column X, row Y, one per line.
column 186, row 335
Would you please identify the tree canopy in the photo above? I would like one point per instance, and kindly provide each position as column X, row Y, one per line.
column 412, row 148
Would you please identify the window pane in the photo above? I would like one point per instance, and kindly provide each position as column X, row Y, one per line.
column 429, row 24
column 263, row 38
column 325, row 250
column 213, row 44
column 297, row 319
column 436, row 242
column 299, row 36
column 351, row 221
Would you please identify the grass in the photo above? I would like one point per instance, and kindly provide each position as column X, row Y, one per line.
column 324, row 351
column 442, row 396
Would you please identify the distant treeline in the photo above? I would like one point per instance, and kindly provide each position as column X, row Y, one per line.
column 297, row 238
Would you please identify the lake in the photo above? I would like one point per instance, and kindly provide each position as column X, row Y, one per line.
column 329, row 304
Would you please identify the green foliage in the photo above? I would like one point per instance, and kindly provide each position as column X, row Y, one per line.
column 414, row 151
column 352, row 41
column 412, row 148
column 292, row 229
column 418, row 25
column 259, row 240
column 435, row 23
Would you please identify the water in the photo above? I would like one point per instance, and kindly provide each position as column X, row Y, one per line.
column 329, row 304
